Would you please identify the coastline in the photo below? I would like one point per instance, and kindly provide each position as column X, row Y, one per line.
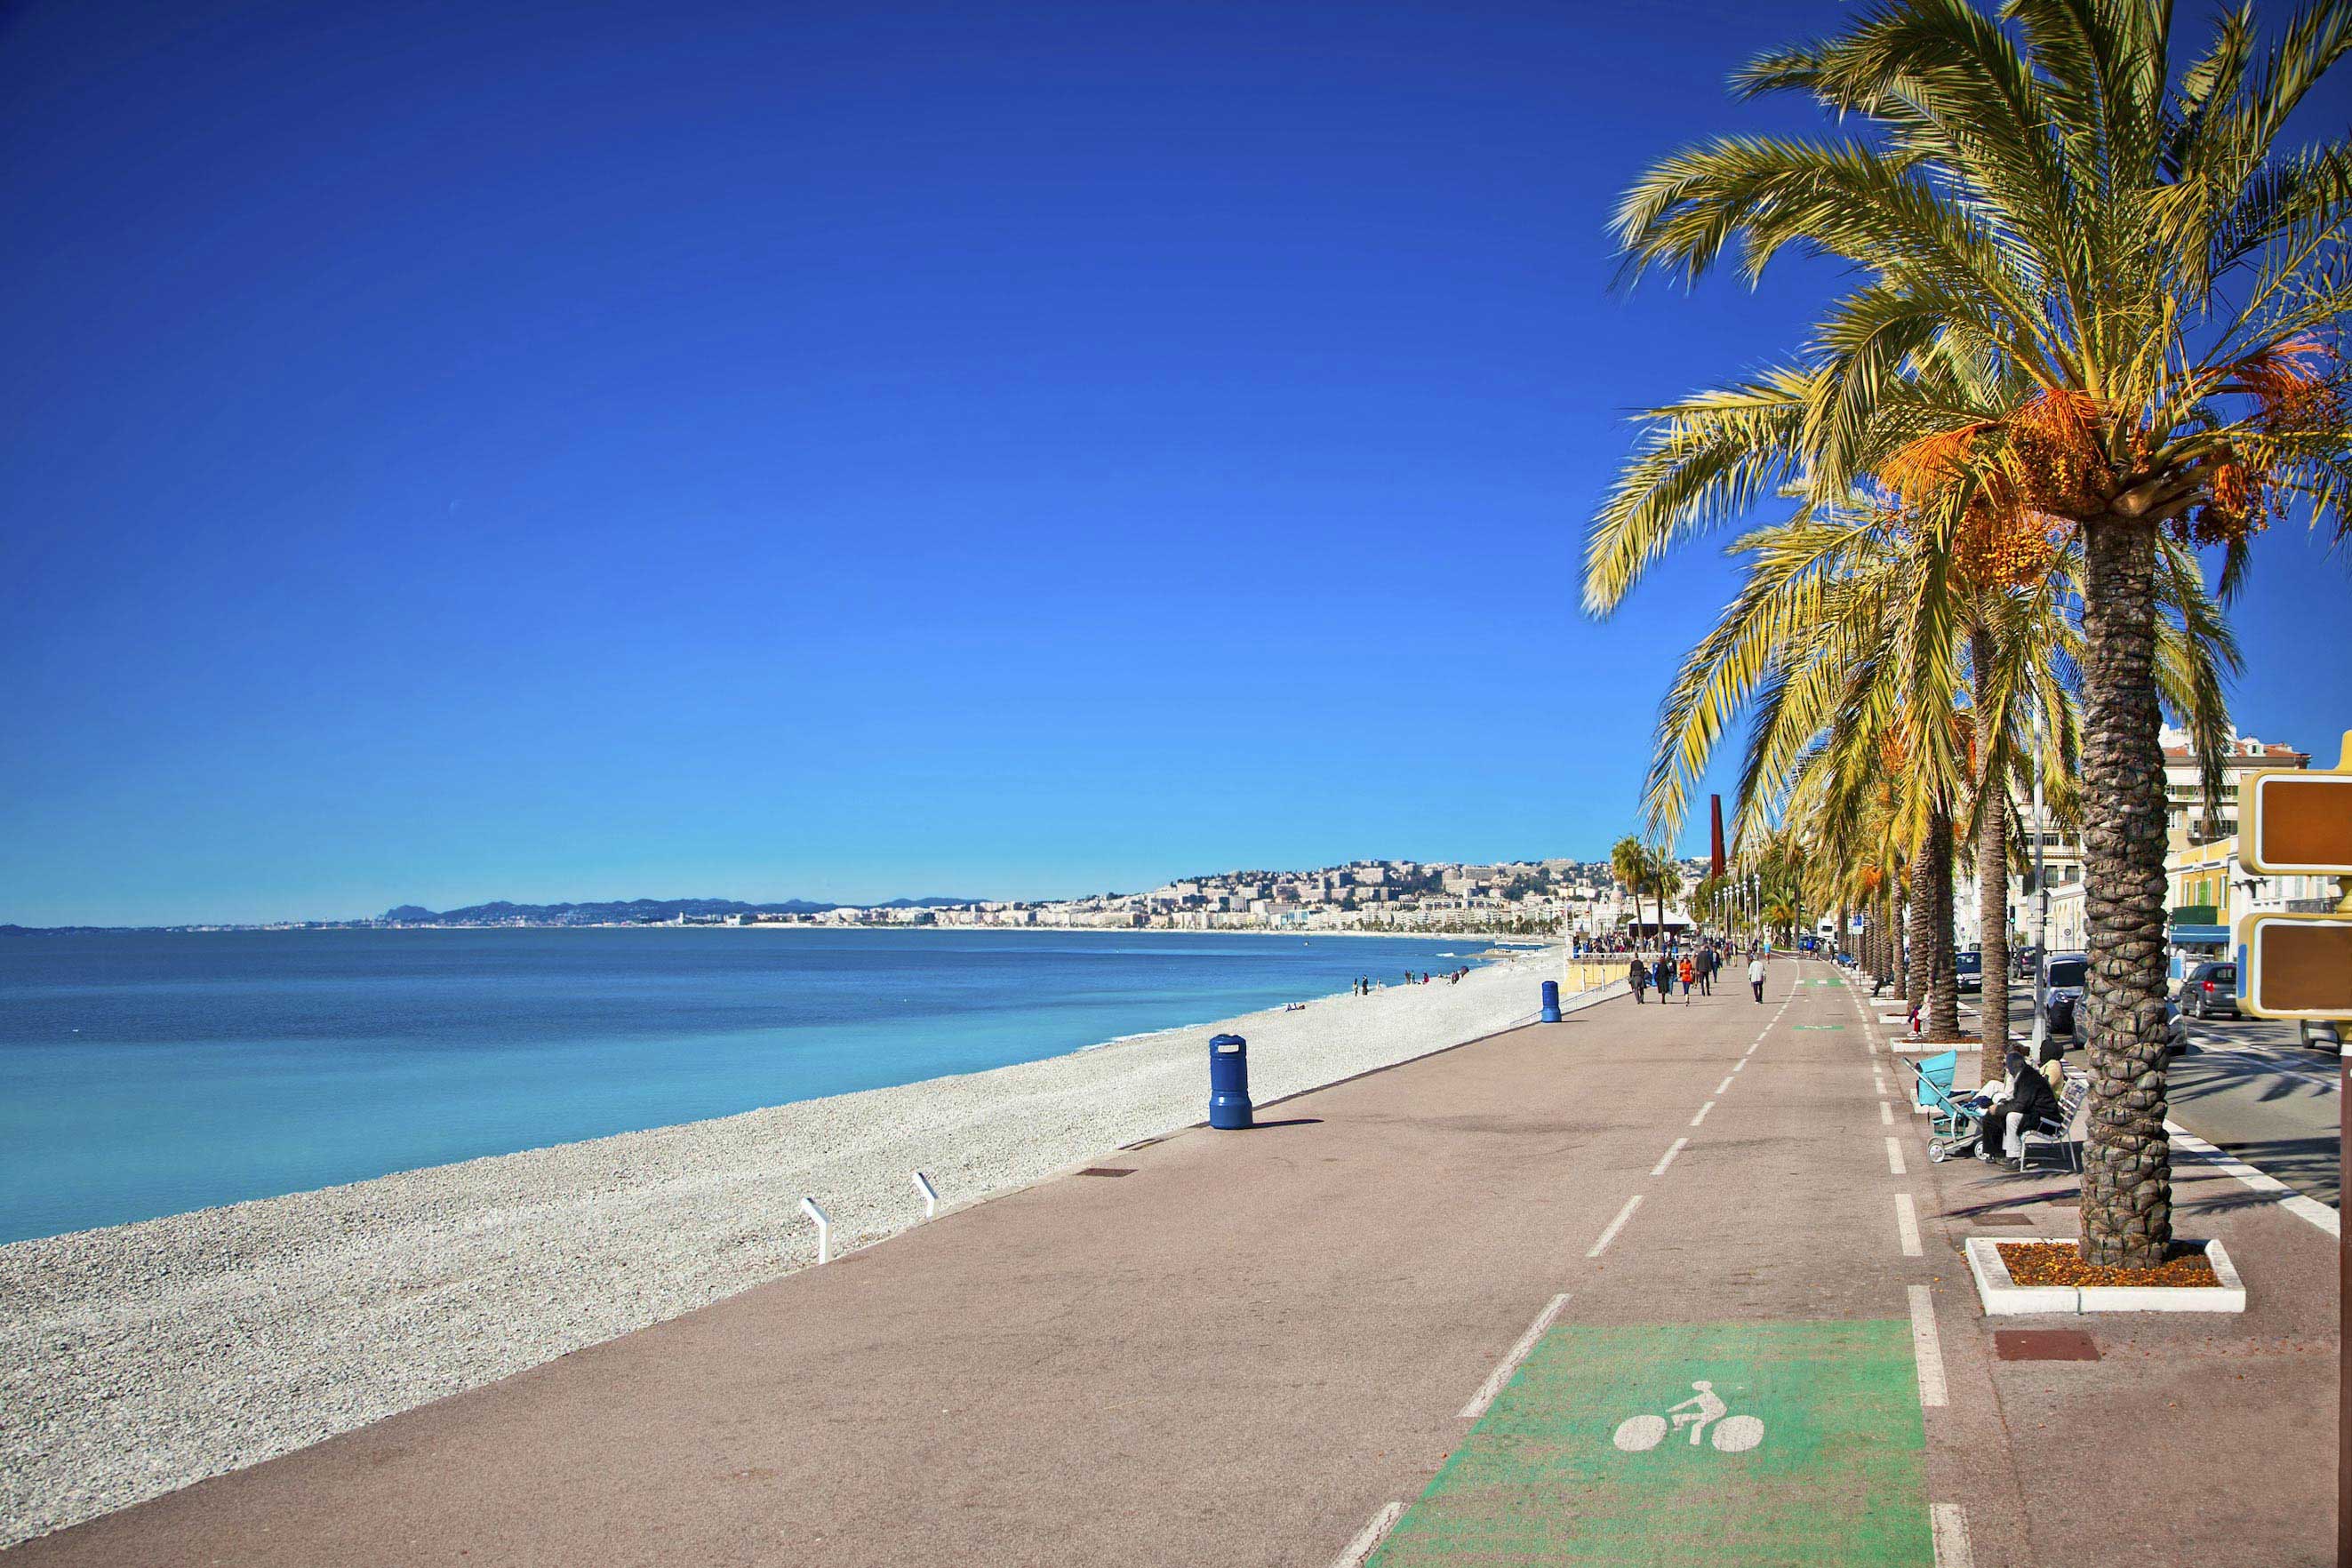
column 330, row 1308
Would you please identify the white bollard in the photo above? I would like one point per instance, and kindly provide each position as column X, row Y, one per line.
column 824, row 1229
column 930, row 1195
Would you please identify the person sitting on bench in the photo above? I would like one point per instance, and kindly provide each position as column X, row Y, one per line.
column 2024, row 1108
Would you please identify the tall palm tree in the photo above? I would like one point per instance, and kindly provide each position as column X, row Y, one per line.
column 1636, row 866
column 2034, row 191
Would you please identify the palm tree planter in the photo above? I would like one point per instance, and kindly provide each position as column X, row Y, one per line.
column 2106, row 303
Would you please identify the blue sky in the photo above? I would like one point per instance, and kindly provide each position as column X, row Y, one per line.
column 474, row 450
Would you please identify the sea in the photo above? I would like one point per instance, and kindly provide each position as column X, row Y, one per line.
column 146, row 1073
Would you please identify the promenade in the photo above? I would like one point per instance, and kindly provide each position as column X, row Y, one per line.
column 1444, row 1312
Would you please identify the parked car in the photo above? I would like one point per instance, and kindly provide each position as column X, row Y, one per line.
column 1969, row 965
column 2210, row 991
column 2062, row 977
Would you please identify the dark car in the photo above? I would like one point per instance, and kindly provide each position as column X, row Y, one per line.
column 2064, row 975
column 2210, row 991
column 1968, row 966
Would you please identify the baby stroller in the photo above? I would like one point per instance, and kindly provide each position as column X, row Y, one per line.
column 1956, row 1124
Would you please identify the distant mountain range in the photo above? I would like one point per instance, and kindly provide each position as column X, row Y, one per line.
column 641, row 911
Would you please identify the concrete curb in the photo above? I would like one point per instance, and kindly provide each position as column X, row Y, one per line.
column 2002, row 1296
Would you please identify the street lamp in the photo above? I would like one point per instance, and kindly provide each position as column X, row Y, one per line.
column 2041, row 900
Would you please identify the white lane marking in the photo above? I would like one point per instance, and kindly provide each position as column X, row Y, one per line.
column 1725, row 1087
column 2299, row 1205
column 1894, row 1157
column 1660, row 1168
column 1752, row 1051
column 1518, row 1352
column 1885, row 1114
column 1739, row 1063
column 1949, row 1527
column 1372, row 1535
column 1926, row 1348
column 1615, row 1226
column 1702, row 1113
column 1906, row 1224
column 2264, row 1061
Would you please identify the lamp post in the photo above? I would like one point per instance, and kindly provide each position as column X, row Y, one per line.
column 2041, row 901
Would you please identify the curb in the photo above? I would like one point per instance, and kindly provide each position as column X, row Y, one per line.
column 2003, row 1297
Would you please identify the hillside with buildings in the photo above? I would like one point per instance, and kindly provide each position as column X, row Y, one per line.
column 1520, row 898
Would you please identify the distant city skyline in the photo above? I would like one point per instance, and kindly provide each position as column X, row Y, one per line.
column 462, row 452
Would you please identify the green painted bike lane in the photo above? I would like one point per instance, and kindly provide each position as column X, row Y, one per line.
column 1809, row 1449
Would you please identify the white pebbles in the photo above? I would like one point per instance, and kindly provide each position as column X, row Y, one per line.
column 139, row 1358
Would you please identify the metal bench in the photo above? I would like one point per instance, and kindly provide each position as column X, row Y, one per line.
column 2058, row 1133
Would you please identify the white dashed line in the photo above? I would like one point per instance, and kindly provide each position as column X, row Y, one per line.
column 1702, row 1113
column 1906, row 1224
column 1885, row 1114
column 1518, row 1352
column 2296, row 1203
column 1725, row 1087
column 1739, row 1063
column 1375, row 1533
column 1950, row 1528
column 1895, row 1157
column 1926, row 1348
column 1660, row 1168
column 1615, row 1226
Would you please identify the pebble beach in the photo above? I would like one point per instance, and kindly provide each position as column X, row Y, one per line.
column 140, row 1358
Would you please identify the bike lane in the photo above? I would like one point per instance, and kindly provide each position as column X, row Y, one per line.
column 1740, row 1376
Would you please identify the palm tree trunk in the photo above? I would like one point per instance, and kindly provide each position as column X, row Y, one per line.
column 1921, row 940
column 1992, row 873
column 1943, row 1011
column 1889, row 926
column 2128, row 1164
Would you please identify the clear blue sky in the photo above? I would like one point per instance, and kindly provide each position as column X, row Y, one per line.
column 535, row 450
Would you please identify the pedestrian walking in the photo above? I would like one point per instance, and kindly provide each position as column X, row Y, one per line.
column 1687, row 975
column 1637, row 974
column 1756, row 976
column 1662, row 976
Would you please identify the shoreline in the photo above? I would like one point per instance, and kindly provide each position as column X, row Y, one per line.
column 1491, row 938
column 336, row 1306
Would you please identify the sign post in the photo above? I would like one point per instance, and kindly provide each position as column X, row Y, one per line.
column 2297, row 823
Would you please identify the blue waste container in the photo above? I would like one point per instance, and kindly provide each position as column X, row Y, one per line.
column 1229, row 1100
column 1551, row 1001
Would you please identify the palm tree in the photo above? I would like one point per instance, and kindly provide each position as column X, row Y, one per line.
column 2034, row 192
column 1636, row 867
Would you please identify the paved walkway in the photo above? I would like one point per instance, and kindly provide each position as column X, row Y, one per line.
column 1658, row 1285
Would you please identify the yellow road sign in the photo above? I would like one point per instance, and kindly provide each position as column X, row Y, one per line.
column 2292, row 823
column 2297, row 966
column 2295, row 822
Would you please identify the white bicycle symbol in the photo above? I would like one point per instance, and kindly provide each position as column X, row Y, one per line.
column 1733, row 1434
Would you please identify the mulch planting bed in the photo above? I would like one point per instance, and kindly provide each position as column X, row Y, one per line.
column 2058, row 1263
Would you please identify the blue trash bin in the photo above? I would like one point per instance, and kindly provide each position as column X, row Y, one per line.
column 1229, row 1100
column 1551, row 1001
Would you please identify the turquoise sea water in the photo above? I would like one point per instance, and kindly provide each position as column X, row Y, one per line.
column 150, row 1073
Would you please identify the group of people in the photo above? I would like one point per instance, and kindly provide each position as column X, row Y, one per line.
column 1695, row 970
column 2021, row 1100
column 1365, row 985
